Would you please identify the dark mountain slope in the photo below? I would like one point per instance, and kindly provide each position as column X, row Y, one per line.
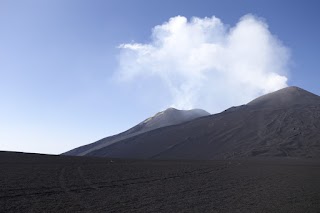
column 168, row 117
column 285, row 123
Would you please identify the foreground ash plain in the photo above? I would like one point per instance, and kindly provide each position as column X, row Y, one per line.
column 43, row 183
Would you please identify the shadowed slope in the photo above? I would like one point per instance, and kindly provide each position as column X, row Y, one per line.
column 168, row 117
column 284, row 123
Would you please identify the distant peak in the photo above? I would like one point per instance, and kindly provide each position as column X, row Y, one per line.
column 173, row 113
column 170, row 109
column 287, row 96
column 292, row 88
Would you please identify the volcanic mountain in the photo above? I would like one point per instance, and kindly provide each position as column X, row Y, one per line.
column 170, row 116
column 285, row 123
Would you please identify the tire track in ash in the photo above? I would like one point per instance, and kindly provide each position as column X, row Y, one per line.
column 45, row 190
column 85, row 180
column 143, row 180
column 187, row 174
column 70, row 192
column 31, row 202
column 35, row 201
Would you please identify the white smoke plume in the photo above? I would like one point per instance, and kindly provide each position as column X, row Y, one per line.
column 206, row 64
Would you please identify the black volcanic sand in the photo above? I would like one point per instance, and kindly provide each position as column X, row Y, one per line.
column 41, row 183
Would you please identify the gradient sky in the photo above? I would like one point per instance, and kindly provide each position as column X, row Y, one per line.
column 58, row 59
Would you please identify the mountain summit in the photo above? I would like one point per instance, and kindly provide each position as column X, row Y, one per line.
column 286, row 97
column 170, row 116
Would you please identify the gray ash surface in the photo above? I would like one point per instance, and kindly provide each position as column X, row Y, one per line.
column 43, row 183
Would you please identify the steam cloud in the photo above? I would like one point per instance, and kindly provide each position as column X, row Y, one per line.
column 205, row 64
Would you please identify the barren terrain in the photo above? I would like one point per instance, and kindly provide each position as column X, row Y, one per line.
column 285, row 123
column 43, row 183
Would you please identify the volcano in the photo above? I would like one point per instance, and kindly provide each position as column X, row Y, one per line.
column 170, row 116
column 285, row 123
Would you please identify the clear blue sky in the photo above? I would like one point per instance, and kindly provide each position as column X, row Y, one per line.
column 58, row 59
